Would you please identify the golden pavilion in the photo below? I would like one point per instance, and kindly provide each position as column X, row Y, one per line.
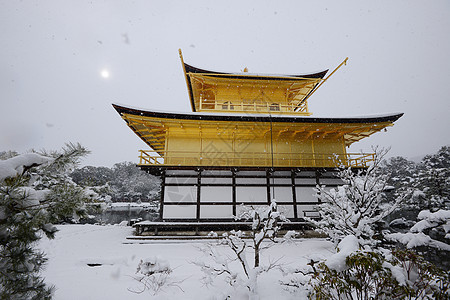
column 250, row 138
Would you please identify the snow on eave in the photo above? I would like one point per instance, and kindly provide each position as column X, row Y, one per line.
column 231, row 115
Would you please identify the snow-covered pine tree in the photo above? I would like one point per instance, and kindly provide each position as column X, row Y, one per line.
column 433, row 179
column 430, row 180
column 34, row 191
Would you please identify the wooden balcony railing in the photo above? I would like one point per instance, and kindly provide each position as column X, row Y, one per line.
column 257, row 106
column 254, row 159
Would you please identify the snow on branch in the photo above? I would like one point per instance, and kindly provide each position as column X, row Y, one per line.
column 17, row 165
column 355, row 207
column 416, row 236
column 265, row 226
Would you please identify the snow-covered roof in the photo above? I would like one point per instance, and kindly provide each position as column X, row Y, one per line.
column 255, row 117
column 151, row 126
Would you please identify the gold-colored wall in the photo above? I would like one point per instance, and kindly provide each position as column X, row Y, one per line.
column 252, row 147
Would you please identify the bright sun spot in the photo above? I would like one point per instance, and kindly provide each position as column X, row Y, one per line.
column 104, row 73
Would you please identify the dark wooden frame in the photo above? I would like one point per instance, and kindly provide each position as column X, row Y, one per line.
column 234, row 175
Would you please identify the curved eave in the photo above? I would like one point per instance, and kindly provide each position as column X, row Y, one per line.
column 255, row 118
column 152, row 126
column 191, row 69
column 242, row 76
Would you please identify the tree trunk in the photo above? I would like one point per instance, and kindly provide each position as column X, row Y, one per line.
column 256, row 256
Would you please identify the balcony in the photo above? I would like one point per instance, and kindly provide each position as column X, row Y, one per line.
column 207, row 105
column 254, row 159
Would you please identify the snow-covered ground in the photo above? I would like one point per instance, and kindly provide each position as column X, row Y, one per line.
column 76, row 246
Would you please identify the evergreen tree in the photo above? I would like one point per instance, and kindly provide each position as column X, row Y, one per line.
column 92, row 176
column 123, row 182
column 433, row 179
column 132, row 184
column 34, row 192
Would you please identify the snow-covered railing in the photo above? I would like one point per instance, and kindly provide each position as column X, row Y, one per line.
column 256, row 159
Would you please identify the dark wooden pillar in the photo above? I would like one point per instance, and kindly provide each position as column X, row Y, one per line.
column 233, row 190
column 199, row 184
column 161, row 201
column 294, row 194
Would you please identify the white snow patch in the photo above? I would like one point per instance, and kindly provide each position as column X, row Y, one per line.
column 123, row 223
column 412, row 240
column 33, row 197
column 76, row 245
column 346, row 247
column 421, row 226
column 16, row 165
column 437, row 217
column 397, row 272
column 429, row 220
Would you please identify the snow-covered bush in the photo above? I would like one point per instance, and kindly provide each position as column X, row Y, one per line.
column 353, row 273
column 30, row 200
column 154, row 275
column 262, row 235
column 356, row 207
column 372, row 275
column 152, row 265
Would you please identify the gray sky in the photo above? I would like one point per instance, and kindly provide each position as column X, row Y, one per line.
column 52, row 54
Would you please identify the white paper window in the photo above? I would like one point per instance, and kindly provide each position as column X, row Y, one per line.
column 282, row 194
column 239, row 208
column 177, row 194
column 305, row 181
column 331, row 181
column 251, row 173
column 216, row 194
column 181, row 172
column 305, row 194
column 177, row 180
column 216, row 173
column 287, row 210
column 179, row 212
column 251, row 194
column 217, row 180
column 251, row 181
column 281, row 180
column 216, row 211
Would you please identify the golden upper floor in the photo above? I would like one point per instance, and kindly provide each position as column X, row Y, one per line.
column 211, row 91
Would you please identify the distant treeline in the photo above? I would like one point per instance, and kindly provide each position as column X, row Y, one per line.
column 124, row 182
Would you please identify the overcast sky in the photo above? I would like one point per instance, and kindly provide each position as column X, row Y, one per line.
column 52, row 54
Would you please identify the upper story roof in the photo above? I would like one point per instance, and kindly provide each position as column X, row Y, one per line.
column 211, row 91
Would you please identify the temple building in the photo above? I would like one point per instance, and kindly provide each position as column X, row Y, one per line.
column 250, row 138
